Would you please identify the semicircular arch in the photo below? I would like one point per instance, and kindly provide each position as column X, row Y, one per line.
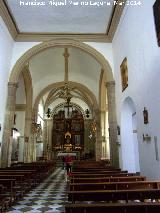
column 24, row 59
column 84, row 90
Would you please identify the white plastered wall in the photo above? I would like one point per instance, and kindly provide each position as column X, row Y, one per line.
column 105, row 49
column 19, row 49
column 136, row 40
column 6, row 46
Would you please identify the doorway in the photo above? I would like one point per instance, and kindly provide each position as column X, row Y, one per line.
column 129, row 139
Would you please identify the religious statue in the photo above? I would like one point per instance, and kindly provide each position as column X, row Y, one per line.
column 145, row 116
column 124, row 74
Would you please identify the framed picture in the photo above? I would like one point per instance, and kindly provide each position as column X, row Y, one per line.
column 156, row 10
column 124, row 74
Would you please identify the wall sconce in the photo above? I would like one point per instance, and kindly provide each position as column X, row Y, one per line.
column 87, row 113
column 48, row 113
column 146, row 138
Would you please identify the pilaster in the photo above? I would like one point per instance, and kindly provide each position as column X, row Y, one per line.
column 114, row 154
column 8, row 124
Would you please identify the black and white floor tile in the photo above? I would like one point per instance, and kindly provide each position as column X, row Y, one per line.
column 49, row 197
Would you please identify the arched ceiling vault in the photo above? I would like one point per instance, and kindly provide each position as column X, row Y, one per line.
column 76, row 94
column 91, row 100
column 27, row 56
column 47, row 65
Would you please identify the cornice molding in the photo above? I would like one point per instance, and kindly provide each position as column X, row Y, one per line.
column 8, row 20
column 116, row 19
column 40, row 37
column 35, row 37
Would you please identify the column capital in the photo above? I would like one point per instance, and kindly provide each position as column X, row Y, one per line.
column 110, row 83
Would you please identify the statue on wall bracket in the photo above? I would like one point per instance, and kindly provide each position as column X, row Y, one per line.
column 145, row 116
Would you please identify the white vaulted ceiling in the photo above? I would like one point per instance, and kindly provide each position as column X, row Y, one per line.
column 70, row 19
column 48, row 67
column 86, row 21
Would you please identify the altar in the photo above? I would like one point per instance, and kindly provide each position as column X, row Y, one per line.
column 63, row 154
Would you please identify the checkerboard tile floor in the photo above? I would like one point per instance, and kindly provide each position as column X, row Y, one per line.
column 48, row 197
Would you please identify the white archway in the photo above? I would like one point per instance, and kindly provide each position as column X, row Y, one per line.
column 129, row 140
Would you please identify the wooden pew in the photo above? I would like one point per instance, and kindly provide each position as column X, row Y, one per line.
column 132, row 207
column 99, row 171
column 115, row 185
column 114, row 195
column 28, row 172
column 75, row 169
column 31, row 175
column 118, row 174
column 8, row 189
column 101, row 185
column 19, row 179
column 21, row 186
column 90, row 165
column 4, row 200
column 107, row 179
column 22, row 178
column 43, row 169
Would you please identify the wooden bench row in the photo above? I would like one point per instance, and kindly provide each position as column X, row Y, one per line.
column 111, row 190
column 114, row 195
column 107, row 179
column 99, row 171
column 90, row 165
column 16, row 181
column 117, row 174
column 114, row 185
column 133, row 207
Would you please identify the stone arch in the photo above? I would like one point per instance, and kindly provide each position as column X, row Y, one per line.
column 23, row 60
column 28, row 111
column 89, row 95
column 91, row 99
column 10, row 111
column 20, row 65
column 80, row 109
column 52, row 98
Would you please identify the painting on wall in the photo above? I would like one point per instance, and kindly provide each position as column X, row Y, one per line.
column 124, row 74
column 156, row 10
